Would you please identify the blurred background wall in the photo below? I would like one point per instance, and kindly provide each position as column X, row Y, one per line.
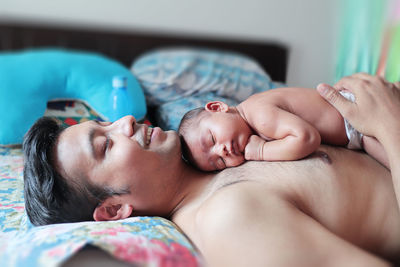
column 307, row 27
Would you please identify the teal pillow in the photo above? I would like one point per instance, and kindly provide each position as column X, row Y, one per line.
column 30, row 78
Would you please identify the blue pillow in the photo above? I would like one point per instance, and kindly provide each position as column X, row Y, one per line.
column 168, row 115
column 30, row 78
column 172, row 73
column 176, row 80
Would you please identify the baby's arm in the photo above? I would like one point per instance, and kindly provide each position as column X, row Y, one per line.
column 293, row 137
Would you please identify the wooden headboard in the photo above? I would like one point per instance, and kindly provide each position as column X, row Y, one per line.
column 125, row 46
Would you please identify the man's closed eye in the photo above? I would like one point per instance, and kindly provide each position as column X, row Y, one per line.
column 106, row 145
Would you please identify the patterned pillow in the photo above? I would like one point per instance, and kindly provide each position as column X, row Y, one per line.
column 182, row 79
column 71, row 112
column 11, row 190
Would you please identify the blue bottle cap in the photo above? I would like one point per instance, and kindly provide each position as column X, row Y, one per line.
column 119, row 81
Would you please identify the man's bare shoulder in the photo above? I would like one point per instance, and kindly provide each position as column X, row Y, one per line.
column 234, row 222
column 234, row 213
column 245, row 218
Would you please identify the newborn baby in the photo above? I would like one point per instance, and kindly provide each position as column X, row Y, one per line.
column 279, row 124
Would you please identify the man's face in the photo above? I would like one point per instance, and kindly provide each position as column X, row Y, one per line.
column 123, row 155
column 218, row 141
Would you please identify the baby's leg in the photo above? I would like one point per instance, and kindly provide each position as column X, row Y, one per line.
column 375, row 149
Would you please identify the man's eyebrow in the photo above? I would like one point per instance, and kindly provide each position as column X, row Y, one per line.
column 91, row 135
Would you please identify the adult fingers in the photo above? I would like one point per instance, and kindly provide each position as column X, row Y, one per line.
column 333, row 96
column 347, row 82
column 357, row 76
column 362, row 75
column 357, row 80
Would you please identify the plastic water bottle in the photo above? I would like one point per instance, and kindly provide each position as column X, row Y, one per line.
column 121, row 105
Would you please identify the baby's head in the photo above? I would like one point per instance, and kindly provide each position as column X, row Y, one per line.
column 214, row 137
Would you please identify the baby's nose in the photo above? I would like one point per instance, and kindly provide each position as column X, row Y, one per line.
column 221, row 151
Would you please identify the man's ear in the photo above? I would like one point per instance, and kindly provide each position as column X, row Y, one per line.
column 111, row 210
column 216, row 106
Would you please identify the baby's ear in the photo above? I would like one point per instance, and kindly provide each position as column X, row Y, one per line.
column 216, row 106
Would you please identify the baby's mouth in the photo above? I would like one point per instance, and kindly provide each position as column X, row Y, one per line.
column 235, row 148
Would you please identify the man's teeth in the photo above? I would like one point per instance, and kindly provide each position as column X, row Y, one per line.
column 148, row 136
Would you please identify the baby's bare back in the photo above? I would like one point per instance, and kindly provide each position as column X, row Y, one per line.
column 306, row 103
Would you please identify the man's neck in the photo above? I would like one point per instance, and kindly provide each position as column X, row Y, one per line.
column 194, row 187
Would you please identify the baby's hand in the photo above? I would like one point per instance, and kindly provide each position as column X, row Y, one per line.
column 254, row 148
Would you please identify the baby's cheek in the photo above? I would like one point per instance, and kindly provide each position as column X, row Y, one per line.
column 236, row 161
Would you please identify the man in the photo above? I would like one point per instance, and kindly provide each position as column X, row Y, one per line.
column 337, row 207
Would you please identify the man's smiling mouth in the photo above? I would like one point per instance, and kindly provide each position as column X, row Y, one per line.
column 148, row 135
column 143, row 134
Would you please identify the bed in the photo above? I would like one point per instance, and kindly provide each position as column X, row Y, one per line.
column 239, row 68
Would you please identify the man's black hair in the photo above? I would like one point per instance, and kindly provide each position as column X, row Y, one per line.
column 50, row 197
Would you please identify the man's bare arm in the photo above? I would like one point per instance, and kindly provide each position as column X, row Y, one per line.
column 239, row 230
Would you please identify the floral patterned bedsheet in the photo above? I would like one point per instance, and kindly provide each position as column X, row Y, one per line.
column 143, row 241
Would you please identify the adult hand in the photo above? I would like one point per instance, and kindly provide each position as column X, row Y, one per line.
column 377, row 103
column 375, row 112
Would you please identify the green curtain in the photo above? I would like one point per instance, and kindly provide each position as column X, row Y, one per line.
column 369, row 38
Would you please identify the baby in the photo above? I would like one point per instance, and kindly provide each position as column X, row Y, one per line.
column 279, row 124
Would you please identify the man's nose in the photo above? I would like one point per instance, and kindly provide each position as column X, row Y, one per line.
column 125, row 125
